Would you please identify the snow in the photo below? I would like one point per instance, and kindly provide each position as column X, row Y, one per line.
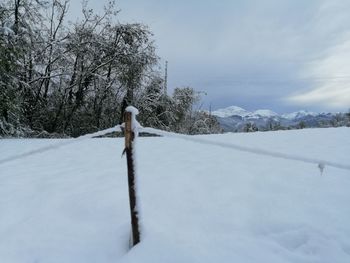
column 200, row 203
column 6, row 31
column 135, row 125
column 132, row 109
column 254, row 150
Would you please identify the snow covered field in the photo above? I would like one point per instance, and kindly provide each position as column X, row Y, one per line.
column 199, row 203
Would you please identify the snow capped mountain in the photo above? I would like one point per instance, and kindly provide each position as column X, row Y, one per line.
column 265, row 113
column 235, row 118
column 238, row 111
column 231, row 111
column 298, row 114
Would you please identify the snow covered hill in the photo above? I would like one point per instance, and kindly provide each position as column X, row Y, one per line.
column 199, row 203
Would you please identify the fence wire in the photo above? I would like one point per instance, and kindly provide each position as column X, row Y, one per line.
column 320, row 163
column 59, row 144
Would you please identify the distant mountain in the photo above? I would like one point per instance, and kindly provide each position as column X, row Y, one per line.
column 231, row 111
column 265, row 113
column 237, row 119
column 298, row 115
column 238, row 111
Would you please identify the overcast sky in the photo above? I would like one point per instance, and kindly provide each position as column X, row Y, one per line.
column 284, row 55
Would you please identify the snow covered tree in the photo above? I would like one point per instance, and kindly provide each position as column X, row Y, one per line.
column 183, row 102
column 10, row 104
column 137, row 60
column 204, row 123
column 250, row 127
column 77, row 78
column 154, row 105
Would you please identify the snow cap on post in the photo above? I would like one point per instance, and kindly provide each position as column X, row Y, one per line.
column 135, row 125
column 132, row 109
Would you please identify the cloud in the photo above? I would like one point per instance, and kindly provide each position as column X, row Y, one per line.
column 332, row 97
column 330, row 80
column 279, row 53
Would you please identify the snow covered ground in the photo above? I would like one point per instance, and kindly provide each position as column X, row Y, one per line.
column 199, row 203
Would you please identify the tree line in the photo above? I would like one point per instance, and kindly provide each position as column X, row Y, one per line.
column 65, row 79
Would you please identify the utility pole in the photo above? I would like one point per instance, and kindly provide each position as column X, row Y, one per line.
column 166, row 78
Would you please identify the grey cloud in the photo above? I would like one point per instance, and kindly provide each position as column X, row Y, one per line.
column 273, row 45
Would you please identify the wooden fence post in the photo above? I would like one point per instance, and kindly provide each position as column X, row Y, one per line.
column 129, row 139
